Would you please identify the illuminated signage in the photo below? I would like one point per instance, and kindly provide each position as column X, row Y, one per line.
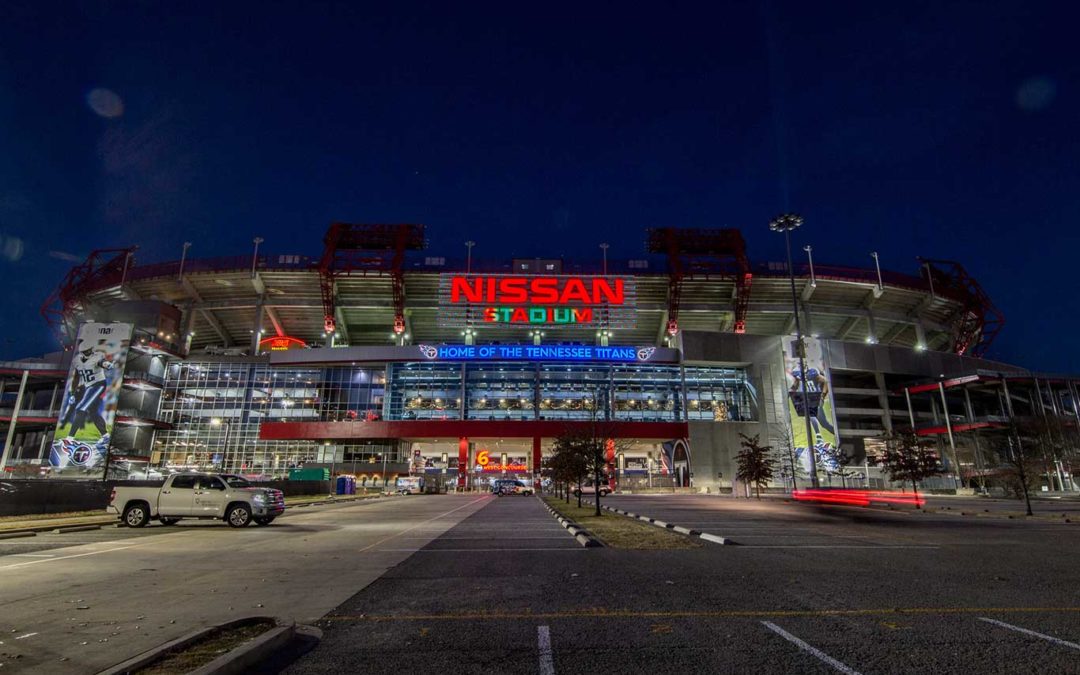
column 536, row 353
column 537, row 301
column 281, row 343
column 484, row 463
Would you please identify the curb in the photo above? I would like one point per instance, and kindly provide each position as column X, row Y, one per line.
column 16, row 535
column 583, row 536
column 236, row 661
column 674, row 528
column 107, row 520
column 74, row 528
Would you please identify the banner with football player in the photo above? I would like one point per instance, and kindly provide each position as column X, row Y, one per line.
column 89, row 405
column 818, row 403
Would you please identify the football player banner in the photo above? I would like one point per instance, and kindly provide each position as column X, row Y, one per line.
column 818, row 403
column 90, row 396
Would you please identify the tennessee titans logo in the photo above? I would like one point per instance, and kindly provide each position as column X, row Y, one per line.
column 68, row 451
column 428, row 352
column 645, row 353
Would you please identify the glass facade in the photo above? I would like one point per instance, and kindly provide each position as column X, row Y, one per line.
column 216, row 408
column 515, row 391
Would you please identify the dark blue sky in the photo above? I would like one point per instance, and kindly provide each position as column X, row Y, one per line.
column 946, row 130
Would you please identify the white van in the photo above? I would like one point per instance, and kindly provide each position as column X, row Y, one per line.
column 410, row 485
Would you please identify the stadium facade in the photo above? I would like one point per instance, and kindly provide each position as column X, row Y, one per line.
column 380, row 358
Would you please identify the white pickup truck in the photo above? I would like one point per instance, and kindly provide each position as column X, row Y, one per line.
column 198, row 495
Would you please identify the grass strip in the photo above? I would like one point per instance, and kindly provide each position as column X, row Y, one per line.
column 199, row 653
column 618, row 531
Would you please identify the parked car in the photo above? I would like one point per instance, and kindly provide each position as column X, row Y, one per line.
column 591, row 490
column 511, row 486
column 198, row 495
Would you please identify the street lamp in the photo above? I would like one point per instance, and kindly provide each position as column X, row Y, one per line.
column 604, row 248
column 255, row 255
column 183, row 257
column 786, row 223
column 216, row 422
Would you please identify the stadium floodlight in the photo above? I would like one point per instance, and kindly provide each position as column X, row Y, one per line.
column 786, row 222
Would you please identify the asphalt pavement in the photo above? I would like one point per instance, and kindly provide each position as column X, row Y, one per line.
column 812, row 589
column 82, row 601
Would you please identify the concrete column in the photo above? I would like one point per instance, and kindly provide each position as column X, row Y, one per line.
column 463, row 462
column 871, row 327
column 979, row 466
column 883, row 401
column 256, row 328
column 14, row 420
column 537, row 463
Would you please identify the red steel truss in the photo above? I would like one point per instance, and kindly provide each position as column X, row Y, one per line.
column 367, row 248
column 703, row 252
column 102, row 267
column 979, row 320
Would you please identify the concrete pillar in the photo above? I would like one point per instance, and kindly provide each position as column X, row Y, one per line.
column 871, row 328
column 883, row 401
column 14, row 420
column 256, row 328
column 536, row 463
column 920, row 335
column 463, row 462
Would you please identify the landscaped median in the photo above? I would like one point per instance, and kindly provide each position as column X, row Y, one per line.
column 618, row 531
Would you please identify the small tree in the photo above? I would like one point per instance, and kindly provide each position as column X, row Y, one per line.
column 1026, row 446
column 835, row 463
column 567, row 464
column 909, row 458
column 755, row 463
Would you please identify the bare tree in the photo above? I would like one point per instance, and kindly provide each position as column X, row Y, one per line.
column 755, row 463
column 909, row 458
column 835, row 463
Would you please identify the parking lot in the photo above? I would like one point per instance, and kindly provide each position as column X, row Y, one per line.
column 811, row 590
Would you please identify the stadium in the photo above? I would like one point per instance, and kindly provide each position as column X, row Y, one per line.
column 380, row 358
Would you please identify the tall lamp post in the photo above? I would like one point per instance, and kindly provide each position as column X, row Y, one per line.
column 785, row 223
column 604, row 248
column 468, row 256
column 255, row 254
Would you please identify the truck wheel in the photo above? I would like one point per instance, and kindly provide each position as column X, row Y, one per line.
column 239, row 515
column 170, row 521
column 136, row 515
column 265, row 520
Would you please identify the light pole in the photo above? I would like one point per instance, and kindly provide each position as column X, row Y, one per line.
column 255, row 255
column 786, row 223
column 604, row 248
column 810, row 257
column 877, row 266
column 384, row 472
column 225, row 441
column 468, row 256
column 183, row 257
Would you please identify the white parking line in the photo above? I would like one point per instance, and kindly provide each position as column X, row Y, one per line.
column 1025, row 631
column 469, row 550
column 810, row 649
column 543, row 639
column 66, row 557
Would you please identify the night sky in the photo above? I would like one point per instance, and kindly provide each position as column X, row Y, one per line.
column 943, row 130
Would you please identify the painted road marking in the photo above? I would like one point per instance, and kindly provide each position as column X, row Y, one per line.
column 595, row 613
column 22, row 637
column 1025, row 631
column 810, row 649
column 67, row 557
column 838, row 546
column 543, row 639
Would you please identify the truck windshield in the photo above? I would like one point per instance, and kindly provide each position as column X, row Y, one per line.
column 236, row 481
